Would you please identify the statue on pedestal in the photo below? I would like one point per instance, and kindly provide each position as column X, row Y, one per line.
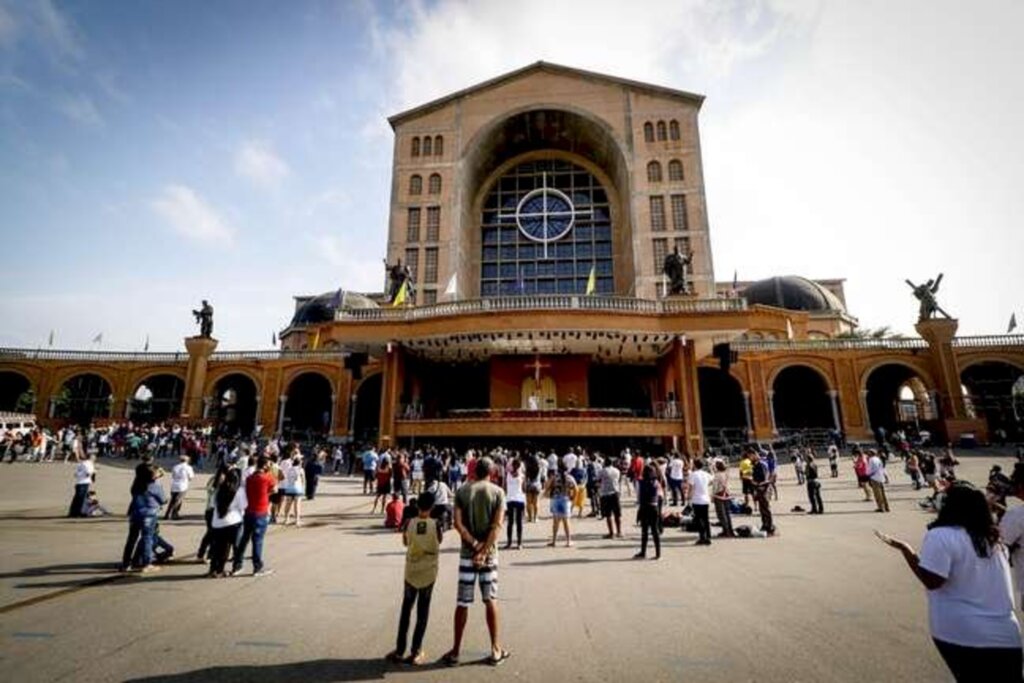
column 399, row 275
column 925, row 293
column 676, row 269
column 204, row 318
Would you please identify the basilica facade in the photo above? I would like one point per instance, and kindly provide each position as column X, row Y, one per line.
column 531, row 221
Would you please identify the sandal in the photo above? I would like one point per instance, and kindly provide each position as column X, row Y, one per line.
column 450, row 659
column 501, row 657
column 394, row 657
column 418, row 659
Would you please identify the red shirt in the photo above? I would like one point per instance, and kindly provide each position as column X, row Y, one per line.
column 258, row 488
column 471, row 470
column 393, row 514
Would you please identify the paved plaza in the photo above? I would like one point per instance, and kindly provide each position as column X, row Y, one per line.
column 822, row 601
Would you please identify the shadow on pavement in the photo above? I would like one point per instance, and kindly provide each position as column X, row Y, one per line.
column 316, row 671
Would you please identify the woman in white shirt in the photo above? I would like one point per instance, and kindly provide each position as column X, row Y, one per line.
column 294, row 485
column 229, row 504
column 515, row 502
column 964, row 566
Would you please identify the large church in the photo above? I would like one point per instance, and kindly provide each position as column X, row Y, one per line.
column 552, row 279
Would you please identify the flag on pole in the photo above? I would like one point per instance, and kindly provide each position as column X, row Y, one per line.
column 273, row 338
column 400, row 297
column 146, row 347
column 51, row 337
column 1013, row 323
column 735, row 280
column 452, row 290
column 316, row 340
column 789, row 329
column 592, row 281
column 98, row 339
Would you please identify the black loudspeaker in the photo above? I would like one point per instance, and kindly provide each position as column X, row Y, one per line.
column 725, row 355
column 355, row 362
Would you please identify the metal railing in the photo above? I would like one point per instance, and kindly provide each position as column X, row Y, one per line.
column 989, row 340
column 544, row 302
column 161, row 357
column 983, row 341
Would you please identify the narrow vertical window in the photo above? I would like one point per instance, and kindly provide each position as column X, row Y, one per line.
column 412, row 259
column 427, row 146
column 673, row 129
column 416, row 185
column 438, row 145
column 679, row 221
column 430, row 266
column 433, row 223
column 660, row 247
column 654, row 172
column 675, row 170
column 434, row 186
column 648, row 132
column 412, row 233
column 661, row 133
column 416, row 146
column 657, row 214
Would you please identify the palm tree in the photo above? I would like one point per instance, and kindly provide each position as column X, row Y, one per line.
column 884, row 332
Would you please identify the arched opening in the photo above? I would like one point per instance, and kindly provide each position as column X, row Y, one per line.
column 801, row 400
column 157, row 398
column 234, row 404
column 897, row 398
column 990, row 390
column 307, row 413
column 722, row 410
column 16, row 394
column 83, row 398
column 366, row 417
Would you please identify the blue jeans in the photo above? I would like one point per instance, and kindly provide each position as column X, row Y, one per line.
column 77, row 508
column 254, row 527
column 141, row 531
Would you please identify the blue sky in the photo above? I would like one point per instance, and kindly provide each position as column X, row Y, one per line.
column 156, row 153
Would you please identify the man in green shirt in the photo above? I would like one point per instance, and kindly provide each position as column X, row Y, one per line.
column 479, row 514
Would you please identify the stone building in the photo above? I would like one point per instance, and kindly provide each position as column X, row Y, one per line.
column 534, row 213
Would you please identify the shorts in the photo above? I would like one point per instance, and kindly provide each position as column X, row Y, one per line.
column 748, row 487
column 560, row 507
column 291, row 492
column 610, row 506
column 276, row 497
column 863, row 478
column 486, row 576
column 368, row 475
column 384, row 489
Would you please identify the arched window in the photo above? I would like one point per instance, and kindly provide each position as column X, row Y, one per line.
column 416, row 147
column 648, row 132
column 427, row 146
column 661, row 132
column 654, row 172
column 416, row 185
column 673, row 129
column 434, row 186
column 438, row 145
column 675, row 170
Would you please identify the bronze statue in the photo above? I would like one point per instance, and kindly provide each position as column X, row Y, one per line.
column 925, row 293
column 677, row 269
column 204, row 317
column 399, row 275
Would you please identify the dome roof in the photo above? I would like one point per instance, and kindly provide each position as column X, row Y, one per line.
column 793, row 293
column 322, row 308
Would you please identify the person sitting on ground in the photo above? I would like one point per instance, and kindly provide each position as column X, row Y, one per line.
column 393, row 512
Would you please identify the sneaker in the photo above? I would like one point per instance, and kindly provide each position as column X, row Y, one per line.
column 149, row 569
column 263, row 572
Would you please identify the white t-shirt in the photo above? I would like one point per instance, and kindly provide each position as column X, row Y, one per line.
column 833, row 452
column 235, row 512
column 1012, row 531
column 974, row 608
column 570, row 460
column 876, row 470
column 552, row 462
column 181, row 475
column 675, row 469
column 294, row 477
column 514, row 488
column 700, row 493
column 84, row 471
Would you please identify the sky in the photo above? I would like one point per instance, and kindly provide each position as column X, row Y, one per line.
column 155, row 154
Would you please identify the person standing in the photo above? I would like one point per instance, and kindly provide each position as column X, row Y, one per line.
column 258, row 488
column 314, row 469
column 479, row 514
column 760, row 481
column 698, row 491
column 833, row 459
column 963, row 565
column 211, row 492
column 85, row 475
column 813, row 485
column 561, row 488
column 1011, row 529
column 722, row 498
column 876, row 479
column 370, row 462
column 533, row 469
column 147, row 498
column 516, row 502
column 746, row 467
column 611, row 508
column 228, row 514
column 649, row 496
column 860, row 468
column 181, row 475
column 675, row 479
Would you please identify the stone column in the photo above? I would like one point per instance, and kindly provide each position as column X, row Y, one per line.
column 933, row 404
column 864, row 407
column 207, row 402
column 771, row 410
column 199, row 351
column 953, row 418
column 259, row 406
column 52, row 410
column 833, row 396
column 391, row 390
column 282, row 402
column 746, row 409
column 330, row 416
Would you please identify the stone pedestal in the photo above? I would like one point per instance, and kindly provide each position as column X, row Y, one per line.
column 199, row 351
column 953, row 419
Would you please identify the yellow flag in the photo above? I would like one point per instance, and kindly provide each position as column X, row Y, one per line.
column 402, row 293
column 592, row 282
column 316, row 341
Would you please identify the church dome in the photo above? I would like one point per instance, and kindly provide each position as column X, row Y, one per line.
column 793, row 293
column 323, row 307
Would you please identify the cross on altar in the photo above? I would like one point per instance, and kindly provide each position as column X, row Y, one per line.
column 536, row 366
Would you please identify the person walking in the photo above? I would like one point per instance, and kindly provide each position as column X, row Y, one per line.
column 964, row 567
column 722, row 498
column 860, row 468
column 698, row 491
column 611, row 508
column 876, row 479
column 515, row 498
column 258, row 488
column 181, row 475
column 649, row 496
column 314, row 470
column 211, row 492
column 813, row 485
column 479, row 514
column 147, row 498
column 85, row 475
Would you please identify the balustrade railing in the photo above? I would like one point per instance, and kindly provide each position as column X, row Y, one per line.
column 827, row 344
column 160, row 357
column 989, row 340
column 544, row 302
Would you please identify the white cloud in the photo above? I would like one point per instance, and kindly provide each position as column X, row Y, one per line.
column 80, row 109
column 191, row 216
column 258, row 163
column 355, row 270
column 58, row 33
